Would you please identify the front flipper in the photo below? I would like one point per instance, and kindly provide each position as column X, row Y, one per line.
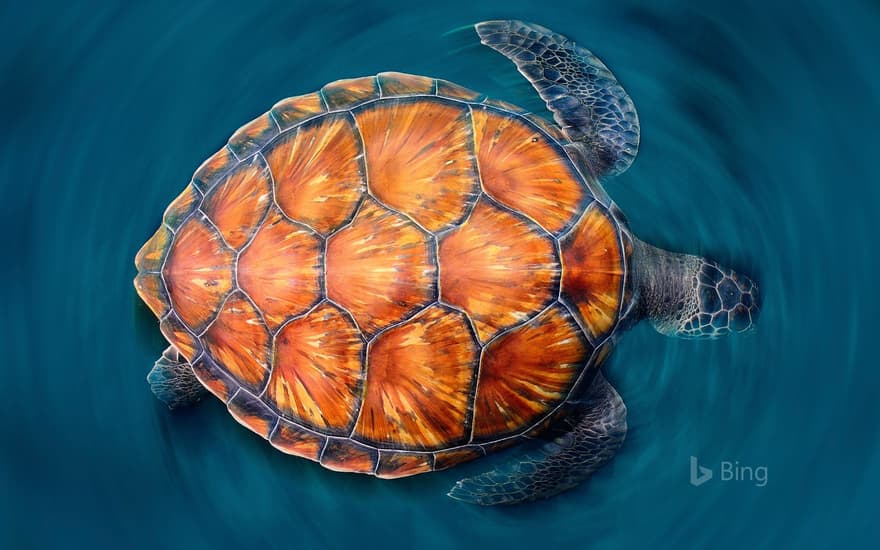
column 595, row 435
column 587, row 101
column 173, row 381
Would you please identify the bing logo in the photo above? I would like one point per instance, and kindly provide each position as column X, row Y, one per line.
column 730, row 471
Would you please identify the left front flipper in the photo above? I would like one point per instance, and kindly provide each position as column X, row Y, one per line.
column 586, row 99
column 598, row 429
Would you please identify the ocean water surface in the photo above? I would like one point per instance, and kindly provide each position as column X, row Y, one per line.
column 759, row 139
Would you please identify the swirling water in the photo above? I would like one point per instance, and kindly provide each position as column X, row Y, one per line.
column 759, row 128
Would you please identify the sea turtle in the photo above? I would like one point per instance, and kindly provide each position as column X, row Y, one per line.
column 395, row 274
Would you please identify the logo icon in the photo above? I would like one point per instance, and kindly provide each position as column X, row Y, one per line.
column 699, row 474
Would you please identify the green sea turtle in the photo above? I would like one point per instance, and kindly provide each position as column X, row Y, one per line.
column 395, row 275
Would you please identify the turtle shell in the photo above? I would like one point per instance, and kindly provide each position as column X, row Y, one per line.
column 390, row 276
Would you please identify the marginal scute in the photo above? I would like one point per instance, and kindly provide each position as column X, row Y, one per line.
column 293, row 110
column 213, row 169
column 380, row 268
column 181, row 207
column 496, row 446
column 149, row 257
column 237, row 203
column 593, row 271
column 523, row 169
column 452, row 457
column 281, row 269
column 499, row 268
column 402, row 84
column 291, row 439
column 317, row 374
column 251, row 137
column 419, row 158
column 526, row 372
column 579, row 157
column 600, row 356
column 393, row 464
column 454, row 91
column 252, row 413
column 344, row 455
column 151, row 289
column 318, row 172
column 349, row 92
column 198, row 273
column 548, row 127
column 214, row 378
column 419, row 383
column 179, row 336
column 542, row 426
column 628, row 288
column 510, row 107
column 239, row 341
column 618, row 215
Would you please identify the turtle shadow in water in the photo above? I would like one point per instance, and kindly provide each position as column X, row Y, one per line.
column 146, row 329
column 190, row 437
column 193, row 435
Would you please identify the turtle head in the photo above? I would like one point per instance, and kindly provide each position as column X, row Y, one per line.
column 692, row 297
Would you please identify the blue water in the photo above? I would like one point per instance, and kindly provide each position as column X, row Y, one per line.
column 759, row 147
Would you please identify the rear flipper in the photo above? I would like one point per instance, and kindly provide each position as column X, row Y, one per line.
column 597, row 431
column 173, row 381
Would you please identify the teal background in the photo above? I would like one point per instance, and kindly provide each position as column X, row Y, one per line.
column 759, row 147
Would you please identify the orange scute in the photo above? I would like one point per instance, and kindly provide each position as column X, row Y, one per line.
column 449, row 89
column 497, row 267
column 419, row 382
column 380, row 268
column 281, row 269
column 252, row 413
column 317, row 375
column 593, row 271
column 393, row 84
column 395, row 464
column 293, row 110
column 528, row 371
column 550, row 128
column 149, row 257
column 603, row 353
column 198, row 273
column 523, row 169
column 317, row 172
column 237, row 204
column 239, row 341
column 448, row 459
column 213, row 378
column 348, row 92
column 151, row 289
column 179, row 336
column 510, row 107
column 344, row 455
column 252, row 136
column 501, row 445
column 181, row 207
column 419, row 158
column 217, row 164
column 291, row 439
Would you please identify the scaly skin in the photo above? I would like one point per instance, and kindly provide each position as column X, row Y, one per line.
column 173, row 381
column 597, row 430
column 692, row 297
